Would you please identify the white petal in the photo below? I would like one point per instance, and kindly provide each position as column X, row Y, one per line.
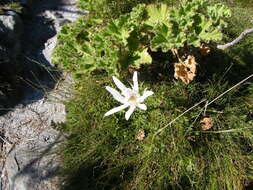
column 130, row 111
column 142, row 106
column 119, row 84
column 135, row 81
column 117, row 109
column 116, row 95
column 127, row 92
column 145, row 95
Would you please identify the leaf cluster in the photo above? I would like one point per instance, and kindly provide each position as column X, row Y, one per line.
column 130, row 39
column 191, row 24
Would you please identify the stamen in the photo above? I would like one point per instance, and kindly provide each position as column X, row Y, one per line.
column 133, row 98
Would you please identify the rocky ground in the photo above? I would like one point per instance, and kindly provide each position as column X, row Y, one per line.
column 28, row 142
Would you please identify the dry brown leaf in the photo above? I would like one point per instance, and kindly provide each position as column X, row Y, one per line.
column 140, row 135
column 186, row 70
column 204, row 49
column 207, row 123
column 183, row 72
column 191, row 63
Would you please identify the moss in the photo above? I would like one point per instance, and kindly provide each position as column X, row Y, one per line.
column 180, row 156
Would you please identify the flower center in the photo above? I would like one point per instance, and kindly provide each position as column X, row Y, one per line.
column 133, row 98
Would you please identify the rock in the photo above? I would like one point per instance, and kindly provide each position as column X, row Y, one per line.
column 11, row 29
column 32, row 168
column 60, row 17
column 29, row 143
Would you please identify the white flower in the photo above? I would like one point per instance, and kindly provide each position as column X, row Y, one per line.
column 128, row 97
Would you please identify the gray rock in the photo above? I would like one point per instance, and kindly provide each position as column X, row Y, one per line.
column 30, row 144
column 11, row 29
column 31, row 162
column 29, row 155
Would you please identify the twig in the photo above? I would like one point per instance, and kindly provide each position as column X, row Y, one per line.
column 178, row 117
column 207, row 104
column 170, row 123
column 191, row 108
column 228, row 130
column 4, row 161
column 247, row 78
column 5, row 140
column 235, row 41
column 205, row 108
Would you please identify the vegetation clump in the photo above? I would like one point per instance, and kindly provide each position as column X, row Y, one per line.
column 10, row 6
column 105, row 153
column 196, row 132
column 130, row 39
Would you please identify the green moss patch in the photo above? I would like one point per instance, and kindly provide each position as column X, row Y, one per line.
column 105, row 154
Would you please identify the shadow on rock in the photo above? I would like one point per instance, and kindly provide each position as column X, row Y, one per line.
column 31, row 168
column 27, row 41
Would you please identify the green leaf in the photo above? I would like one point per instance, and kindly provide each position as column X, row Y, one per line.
column 118, row 29
column 208, row 33
column 143, row 58
column 157, row 14
column 163, row 39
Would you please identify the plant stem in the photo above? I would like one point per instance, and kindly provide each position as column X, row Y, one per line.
column 235, row 41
